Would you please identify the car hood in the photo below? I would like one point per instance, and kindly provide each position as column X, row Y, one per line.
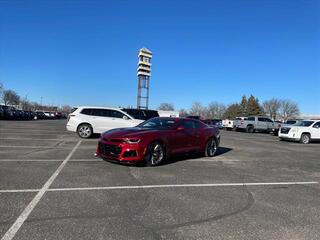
column 127, row 132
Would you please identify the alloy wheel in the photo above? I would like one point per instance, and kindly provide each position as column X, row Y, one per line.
column 211, row 148
column 84, row 131
column 157, row 154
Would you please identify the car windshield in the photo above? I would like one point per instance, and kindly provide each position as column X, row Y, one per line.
column 304, row 123
column 157, row 123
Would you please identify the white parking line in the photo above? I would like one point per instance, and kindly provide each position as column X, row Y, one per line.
column 50, row 160
column 26, row 212
column 40, row 139
column 31, row 160
column 40, row 147
column 163, row 186
column 35, row 134
column 33, row 130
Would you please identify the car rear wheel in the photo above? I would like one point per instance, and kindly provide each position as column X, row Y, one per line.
column 250, row 129
column 211, row 148
column 305, row 138
column 85, row 130
column 155, row 154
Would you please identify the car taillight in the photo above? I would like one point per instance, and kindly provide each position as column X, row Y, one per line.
column 69, row 116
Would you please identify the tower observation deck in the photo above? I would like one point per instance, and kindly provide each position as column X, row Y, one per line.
column 144, row 74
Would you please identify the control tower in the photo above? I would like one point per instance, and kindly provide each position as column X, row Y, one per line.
column 144, row 74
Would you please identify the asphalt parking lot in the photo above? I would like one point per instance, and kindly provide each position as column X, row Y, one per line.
column 51, row 187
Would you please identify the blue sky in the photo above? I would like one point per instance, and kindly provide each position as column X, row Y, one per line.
column 85, row 52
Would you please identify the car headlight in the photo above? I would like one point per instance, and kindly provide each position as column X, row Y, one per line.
column 132, row 140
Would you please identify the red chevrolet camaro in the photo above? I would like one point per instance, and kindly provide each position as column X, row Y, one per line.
column 154, row 140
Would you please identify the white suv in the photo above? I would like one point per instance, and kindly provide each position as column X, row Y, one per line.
column 304, row 131
column 89, row 120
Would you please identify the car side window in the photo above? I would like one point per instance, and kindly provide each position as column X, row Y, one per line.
column 198, row 124
column 261, row 119
column 86, row 111
column 117, row 114
column 187, row 124
column 317, row 125
column 250, row 118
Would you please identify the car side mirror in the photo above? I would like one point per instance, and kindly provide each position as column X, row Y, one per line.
column 180, row 128
column 317, row 127
column 125, row 117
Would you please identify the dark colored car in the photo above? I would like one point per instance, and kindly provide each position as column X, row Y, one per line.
column 1, row 112
column 40, row 115
column 9, row 112
column 154, row 140
column 58, row 115
column 142, row 114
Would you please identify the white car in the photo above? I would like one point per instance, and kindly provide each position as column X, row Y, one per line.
column 305, row 131
column 89, row 120
column 227, row 124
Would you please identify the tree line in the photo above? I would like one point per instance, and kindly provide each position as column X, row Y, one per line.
column 12, row 98
column 277, row 109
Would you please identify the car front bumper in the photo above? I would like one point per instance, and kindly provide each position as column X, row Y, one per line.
column 120, row 152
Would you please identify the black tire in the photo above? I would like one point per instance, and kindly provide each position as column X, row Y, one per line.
column 250, row 129
column 85, row 130
column 305, row 138
column 155, row 154
column 211, row 148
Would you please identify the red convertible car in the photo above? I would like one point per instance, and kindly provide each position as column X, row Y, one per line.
column 154, row 140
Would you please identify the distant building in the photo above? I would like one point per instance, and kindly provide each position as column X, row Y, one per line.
column 310, row 116
column 163, row 113
column 144, row 74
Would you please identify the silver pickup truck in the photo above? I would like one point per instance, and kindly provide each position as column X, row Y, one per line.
column 256, row 123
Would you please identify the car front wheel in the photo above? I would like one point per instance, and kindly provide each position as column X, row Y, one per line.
column 211, row 148
column 85, row 131
column 305, row 138
column 155, row 154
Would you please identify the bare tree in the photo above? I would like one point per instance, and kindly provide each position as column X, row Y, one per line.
column 272, row 107
column 215, row 110
column 289, row 109
column 1, row 91
column 198, row 109
column 66, row 109
column 10, row 97
column 166, row 107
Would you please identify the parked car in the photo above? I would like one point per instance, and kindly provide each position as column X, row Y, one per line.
column 20, row 115
column 1, row 112
column 40, row 115
column 58, row 115
column 154, row 140
column 142, row 114
column 228, row 124
column 304, row 131
column 279, row 124
column 89, row 120
column 8, row 112
column 255, row 123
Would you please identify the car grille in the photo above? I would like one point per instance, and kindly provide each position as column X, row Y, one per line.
column 109, row 150
column 285, row 130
